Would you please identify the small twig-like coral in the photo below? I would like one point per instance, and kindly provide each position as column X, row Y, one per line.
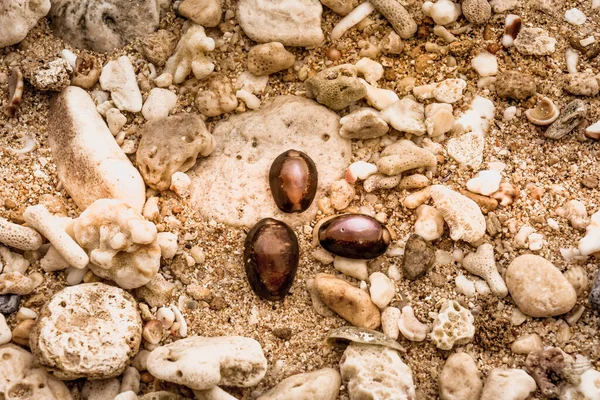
column 18, row 236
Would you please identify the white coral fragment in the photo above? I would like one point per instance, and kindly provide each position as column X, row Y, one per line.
column 410, row 327
column 462, row 214
column 453, row 325
column 590, row 243
column 482, row 264
column 118, row 77
column 189, row 55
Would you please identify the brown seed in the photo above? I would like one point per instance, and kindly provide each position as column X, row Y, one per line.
column 354, row 236
column 293, row 181
column 271, row 258
column 153, row 331
column 333, row 54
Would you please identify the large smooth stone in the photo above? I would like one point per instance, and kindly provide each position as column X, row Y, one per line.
column 104, row 25
column 17, row 17
column 323, row 384
column 232, row 184
column 89, row 162
column 539, row 288
column 289, row 22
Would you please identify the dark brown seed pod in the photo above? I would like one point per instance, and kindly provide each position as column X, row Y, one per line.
column 354, row 236
column 271, row 258
column 293, row 181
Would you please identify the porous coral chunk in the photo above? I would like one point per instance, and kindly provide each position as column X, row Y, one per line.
column 453, row 325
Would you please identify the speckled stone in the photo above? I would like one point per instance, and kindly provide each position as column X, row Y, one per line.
column 595, row 293
column 9, row 303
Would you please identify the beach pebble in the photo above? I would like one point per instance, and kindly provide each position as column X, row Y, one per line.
column 485, row 63
column 587, row 389
column 526, row 344
column 115, row 120
column 5, row 333
column 52, row 76
column 377, row 97
column 406, row 115
column 106, row 335
column 360, row 170
column 83, row 24
column 515, row 85
column 508, row 384
column 486, row 182
column 350, row 302
column 443, row 12
column 289, row 22
column 190, row 55
column 243, row 160
column 180, row 184
column 575, row 16
column 118, row 78
column 158, row 46
column 570, row 117
column 382, row 289
column 410, row 327
column 453, row 325
column 582, row 84
column 19, row 236
column 203, row 362
column 364, row 123
column 252, row 83
column 482, row 264
column 389, row 322
column 202, row 12
column 351, row 267
column 477, row 12
column 323, row 384
column 371, row 70
column 9, row 303
column 402, row 156
column 462, row 214
column 400, row 19
column 217, row 97
column 18, row 17
column 595, row 293
column 171, row 144
column 336, row 87
column 449, row 90
column 21, row 375
column 159, row 104
column 460, row 379
column 342, row 194
column 381, row 182
column 340, row 7
column 376, row 372
column 539, row 288
column 534, row 42
column 418, row 257
column 439, row 119
column 429, row 224
column 157, row 292
column 100, row 389
column 269, row 58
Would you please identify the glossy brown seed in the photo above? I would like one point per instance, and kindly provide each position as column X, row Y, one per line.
column 271, row 258
column 354, row 236
column 293, row 181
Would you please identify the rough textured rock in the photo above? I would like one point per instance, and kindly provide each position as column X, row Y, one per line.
column 460, row 378
column 453, row 325
column 89, row 162
column 534, row 41
column 350, row 302
column 340, row 7
column 571, row 116
column 595, row 293
column 268, row 58
column 289, row 22
column 121, row 244
column 404, row 155
column 17, row 17
column 22, row 379
column 104, row 25
column 204, row 362
column 515, row 85
column 336, row 87
column 118, row 77
column 462, row 214
column 232, row 185
column 476, row 11
column 582, row 84
column 508, row 384
column 539, row 288
column 189, row 55
column 90, row 330
column 418, row 257
column 323, row 384
column 158, row 46
column 170, row 145
column 376, row 372
column 203, row 12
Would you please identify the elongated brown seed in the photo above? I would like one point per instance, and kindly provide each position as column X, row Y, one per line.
column 293, row 181
column 271, row 258
column 354, row 236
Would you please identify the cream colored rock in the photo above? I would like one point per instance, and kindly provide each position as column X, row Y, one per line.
column 534, row 41
column 180, row 184
column 215, row 393
column 5, row 333
column 351, row 267
column 410, row 327
column 336, row 87
column 379, row 98
column 438, row 119
column 462, row 214
column 22, row 379
column 382, row 289
column 17, row 283
column 269, row 58
column 340, row 7
column 576, row 213
column 98, row 322
column 218, row 98
column 121, row 244
column 350, row 302
column 416, row 199
column 477, row 12
column 115, row 120
column 17, row 17
column 342, row 194
column 360, row 170
column 587, row 389
column 449, row 90
column 453, row 325
column 190, row 55
column 241, row 195
column 323, row 384
column 202, row 12
column 371, row 70
column 460, row 378
column 467, row 149
column 90, row 164
column 118, row 78
column 12, row 262
column 159, row 104
column 414, row 181
column 486, row 182
column 364, row 123
column 376, row 372
column 204, row 362
column 18, row 236
column 526, row 344
column 539, row 288
column 406, row 115
column 483, row 264
column 389, row 322
column 101, row 389
column 400, row 19
column 590, row 243
column 477, row 118
column 402, row 156
column 508, row 384
column 443, row 12
column 430, row 223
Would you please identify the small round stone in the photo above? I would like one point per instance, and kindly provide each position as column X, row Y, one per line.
column 9, row 303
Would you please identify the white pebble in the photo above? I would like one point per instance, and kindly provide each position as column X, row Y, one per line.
column 5, row 333
column 572, row 60
column 251, row 101
column 198, row 255
column 75, row 275
column 159, row 104
column 180, row 320
column 180, row 183
column 382, row 289
column 26, row 313
column 552, row 223
column 587, row 41
column 482, row 287
column 360, row 170
column 485, row 64
column 354, row 17
column 389, row 322
column 164, row 80
column 70, row 57
column 370, row 69
column 464, row 286
column 486, row 182
column 536, row 241
column 394, row 273
column 574, row 16
column 166, row 316
column 351, row 267
column 167, row 242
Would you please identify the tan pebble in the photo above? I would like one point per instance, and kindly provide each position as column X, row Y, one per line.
column 203, row 12
column 487, row 204
column 414, row 200
column 342, row 193
column 526, row 344
column 153, row 331
column 269, row 58
column 415, row 181
column 460, row 379
column 20, row 334
column 506, row 194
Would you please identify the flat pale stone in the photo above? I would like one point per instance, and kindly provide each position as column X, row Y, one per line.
column 323, row 384
column 17, row 17
column 460, row 378
column 231, row 185
column 539, row 288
